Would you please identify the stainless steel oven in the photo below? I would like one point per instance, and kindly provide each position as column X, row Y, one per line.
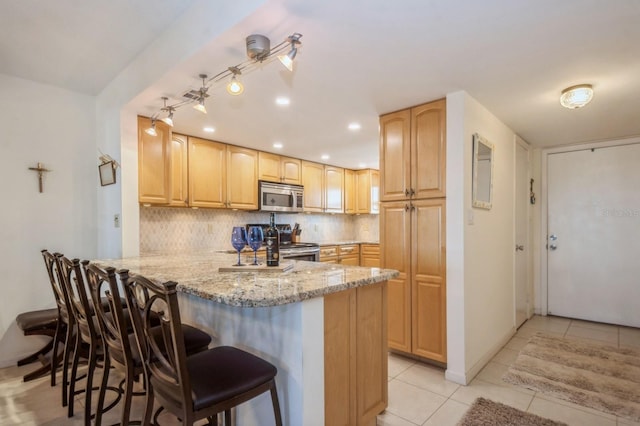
column 300, row 251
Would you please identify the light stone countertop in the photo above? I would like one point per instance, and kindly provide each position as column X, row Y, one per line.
column 197, row 273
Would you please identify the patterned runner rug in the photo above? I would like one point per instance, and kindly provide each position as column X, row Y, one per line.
column 588, row 374
column 485, row 412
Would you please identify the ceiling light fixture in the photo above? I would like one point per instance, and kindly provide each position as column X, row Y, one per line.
column 258, row 51
column 354, row 126
column 325, row 156
column 277, row 145
column 235, row 87
column 152, row 130
column 202, row 95
column 169, row 109
column 287, row 60
column 282, row 101
column 209, row 129
column 576, row 96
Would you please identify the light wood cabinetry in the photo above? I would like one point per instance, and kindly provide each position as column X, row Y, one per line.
column 413, row 152
column 275, row 168
column 323, row 188
column 242, row 178
column 412, row 227
column 355, row 345
column 368, row 191
column 370, row 255
column 154, row 163
column 207, row 173
column 178, row 180
column 345, row 254
column 350, row 191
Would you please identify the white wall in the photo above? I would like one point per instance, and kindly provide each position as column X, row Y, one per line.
column 480, row 260
column 45, row 124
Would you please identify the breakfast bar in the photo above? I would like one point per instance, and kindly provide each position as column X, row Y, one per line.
column 322, row 325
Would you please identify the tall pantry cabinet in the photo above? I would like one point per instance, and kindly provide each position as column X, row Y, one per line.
column 412, row 227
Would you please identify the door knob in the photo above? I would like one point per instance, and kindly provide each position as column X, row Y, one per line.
column 552, row 247
column 519, row 247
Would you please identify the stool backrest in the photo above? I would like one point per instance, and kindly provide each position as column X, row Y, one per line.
column 81, row 306
column 164, row 357
column 111, row 317
column 59, row 291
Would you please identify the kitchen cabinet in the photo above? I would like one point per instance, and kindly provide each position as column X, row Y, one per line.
column 370, row 255
column 355, row 343
column 154, row 163
column 242, row 178
column 346, row 254
column 413, row 152
column 412, row 241
column 275, row 168
column 178, row 180
column 207, row 173
column 323, row 188
column 350, row 192
column 367, row 192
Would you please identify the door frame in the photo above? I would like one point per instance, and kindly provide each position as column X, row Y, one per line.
column 543, row 307
column 529, row 239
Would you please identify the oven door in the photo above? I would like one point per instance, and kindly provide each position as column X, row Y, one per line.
column 310, row 257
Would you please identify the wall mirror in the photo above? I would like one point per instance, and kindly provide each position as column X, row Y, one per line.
column 482, row 172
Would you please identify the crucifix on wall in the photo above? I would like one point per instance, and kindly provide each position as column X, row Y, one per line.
column 41, row 171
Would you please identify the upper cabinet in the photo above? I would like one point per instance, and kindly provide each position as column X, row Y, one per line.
column 207, row 173
column 242, row 178
column 350, row 192
column 323, row 188
column 275, row 168
column 412, row 146
column 367, row 192
column 333, row 189
column 154, row 163
column 178, row 178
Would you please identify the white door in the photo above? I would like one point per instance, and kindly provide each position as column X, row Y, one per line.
column 593, row 232
column 522, row 249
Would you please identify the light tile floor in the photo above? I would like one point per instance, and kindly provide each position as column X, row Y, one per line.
column 418, row 393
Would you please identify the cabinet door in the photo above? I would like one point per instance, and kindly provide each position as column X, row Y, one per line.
column 329, row 254
column 350, row 191
column 153, row 163
column 207, row 173
column 313, row 182
column 370, row 255
column 179, row 173
column 269, row 167
column 428, row 149
column 291, row 169
column 334, row 189
column 428, row 276
column 242, row 178
column 395, row 246
column 395, row 155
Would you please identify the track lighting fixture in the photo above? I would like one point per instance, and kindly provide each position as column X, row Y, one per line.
column 152, row 130
column 235, row 87
column 287, row 60
column 258, row 51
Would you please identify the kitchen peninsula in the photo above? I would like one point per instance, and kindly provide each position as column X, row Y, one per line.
column 323, row 326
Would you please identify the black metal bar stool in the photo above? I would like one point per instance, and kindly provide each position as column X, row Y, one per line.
column 39, row 323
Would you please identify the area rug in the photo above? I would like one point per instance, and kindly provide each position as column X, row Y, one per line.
column 588, row 374
column 484, row 412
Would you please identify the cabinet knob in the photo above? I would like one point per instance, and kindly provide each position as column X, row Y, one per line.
column 406, row 192
column 412, row 192
column 406, row 207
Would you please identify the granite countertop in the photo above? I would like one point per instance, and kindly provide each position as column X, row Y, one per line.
column 197, row 273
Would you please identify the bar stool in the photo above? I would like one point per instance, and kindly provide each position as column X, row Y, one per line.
column 39, row 323
column 122, row 349
column 199, row 386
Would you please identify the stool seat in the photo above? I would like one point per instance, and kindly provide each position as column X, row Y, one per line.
column 38, row 320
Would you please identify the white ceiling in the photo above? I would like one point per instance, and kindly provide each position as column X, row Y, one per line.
column 359, row 59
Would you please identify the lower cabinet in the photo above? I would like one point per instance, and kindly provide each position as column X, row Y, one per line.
column 355, row 342
column 412, row 241
column 345, row 254
column 370, row 255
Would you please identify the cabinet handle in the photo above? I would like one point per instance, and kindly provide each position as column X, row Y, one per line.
column 406, row 207
column 412, row 192
column 413, row 207
column 406, row 192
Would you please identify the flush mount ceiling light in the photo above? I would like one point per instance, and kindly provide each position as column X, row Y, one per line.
column 576, row 96
column 258, row 51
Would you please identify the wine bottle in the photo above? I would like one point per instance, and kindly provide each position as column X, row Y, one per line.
column 272, row 240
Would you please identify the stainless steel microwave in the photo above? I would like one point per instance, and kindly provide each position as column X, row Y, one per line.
column 280, row 197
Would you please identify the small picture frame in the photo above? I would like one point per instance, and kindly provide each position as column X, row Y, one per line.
column 107, row 173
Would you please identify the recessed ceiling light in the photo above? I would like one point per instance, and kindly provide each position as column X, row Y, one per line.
column 362, row 165
column 277, row 145
column 209, row 129
column 325, row 156
column 282, row 101
column 354, row 126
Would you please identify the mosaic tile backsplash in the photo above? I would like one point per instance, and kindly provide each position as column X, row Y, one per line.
column 166, row 230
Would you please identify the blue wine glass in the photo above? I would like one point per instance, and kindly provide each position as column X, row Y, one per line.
column 255, row 241
column 239, row 240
